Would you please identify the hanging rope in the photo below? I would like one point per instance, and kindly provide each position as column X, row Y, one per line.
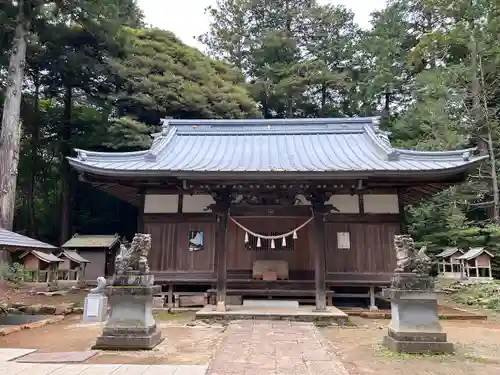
column 261, row 236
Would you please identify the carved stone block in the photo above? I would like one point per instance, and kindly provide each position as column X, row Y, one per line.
column 415, row 326
column 130, row 325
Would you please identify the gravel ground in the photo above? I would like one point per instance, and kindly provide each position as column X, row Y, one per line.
column 477, row 344
column 185, row 342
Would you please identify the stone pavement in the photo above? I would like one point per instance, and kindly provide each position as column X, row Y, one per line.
column 249, row 348
column 16, row 368
column 275, row 348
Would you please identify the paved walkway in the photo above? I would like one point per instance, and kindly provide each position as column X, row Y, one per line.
column 275, row 348
column 15, row 368
column 249, row 348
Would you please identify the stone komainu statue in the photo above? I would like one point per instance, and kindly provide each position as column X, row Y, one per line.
column 135, row 258
column 408, row 259
column 101, row 286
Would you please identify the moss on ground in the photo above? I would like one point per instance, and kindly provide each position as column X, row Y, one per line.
column 177, row 315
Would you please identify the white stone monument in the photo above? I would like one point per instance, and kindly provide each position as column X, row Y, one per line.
column 96, row 303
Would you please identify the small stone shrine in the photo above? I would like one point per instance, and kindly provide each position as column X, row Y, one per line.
column 414, row 326
column 131, row 325
column 96, row 303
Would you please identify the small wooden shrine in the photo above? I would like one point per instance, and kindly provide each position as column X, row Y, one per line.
column 476, row 264
column 449, row 264
column 73, row 265
column 40, row 266
column 98, row 249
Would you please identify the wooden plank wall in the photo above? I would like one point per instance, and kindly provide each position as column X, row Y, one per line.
column 371, row 245
column 240, row 258
column 170, row 243
column 371, row 249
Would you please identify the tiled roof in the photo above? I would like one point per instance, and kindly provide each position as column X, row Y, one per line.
column 474, row 252
column 80, row 241
column 74, row 256
column 16, row 241
column 43, row 256
column 449, row 251
column 345, row 145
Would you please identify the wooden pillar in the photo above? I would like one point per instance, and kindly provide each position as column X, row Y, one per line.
column 401, row 205
column 318, row 242
column 221, row 210
column 140, row 215
column 170, row 295
column 373, row 302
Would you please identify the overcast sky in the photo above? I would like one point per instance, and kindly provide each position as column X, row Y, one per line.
column 187, row 19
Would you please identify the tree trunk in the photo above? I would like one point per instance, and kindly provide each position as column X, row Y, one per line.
column 34, row 144
column 495, row 215
column 476, row 94
column 65, row 192
column 10, row 136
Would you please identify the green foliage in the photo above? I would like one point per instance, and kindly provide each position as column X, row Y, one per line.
column 12, row 272
column 162, row 77
column 96, row 79
column 299, row 56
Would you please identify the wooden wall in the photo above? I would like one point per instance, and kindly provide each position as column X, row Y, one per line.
column 371, row 249
column 371, row 245
column 240, row 258
column 170, row 243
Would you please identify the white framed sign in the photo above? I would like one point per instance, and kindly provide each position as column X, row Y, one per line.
column 92, row 307
column 343, row 240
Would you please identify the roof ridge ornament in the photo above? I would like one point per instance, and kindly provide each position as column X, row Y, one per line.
column 393, row 155
column 82, row 155
column 165, row 125
column 466, row 155
column 150, row 156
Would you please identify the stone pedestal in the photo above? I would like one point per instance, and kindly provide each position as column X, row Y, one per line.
column 95, row 308
column 415, row 326
column 130, row 325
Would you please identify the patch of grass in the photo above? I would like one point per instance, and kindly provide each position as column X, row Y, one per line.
column 381, row 351
column 350, row 323
column 482, row 295
column 170, row 316
column 484, row 361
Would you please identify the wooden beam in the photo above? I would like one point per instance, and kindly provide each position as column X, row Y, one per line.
column 140, row 216
column 318, row 245
column 221, row 211
column 362, row 218
column 180, row 203
column 361, row 203
column 401, row 205
column 176, row 217
column 270, row 211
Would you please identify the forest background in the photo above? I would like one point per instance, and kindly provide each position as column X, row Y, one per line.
column 97, row 78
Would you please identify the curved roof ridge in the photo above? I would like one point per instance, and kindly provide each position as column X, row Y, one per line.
column 167, row 134
column 85, row 155
column 453, row 155
column 260, row 122
column 383, row 144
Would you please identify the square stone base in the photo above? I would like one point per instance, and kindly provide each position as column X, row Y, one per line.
column 417, row 342
column 417, row 347
column 120, row 341
column 131, row 325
